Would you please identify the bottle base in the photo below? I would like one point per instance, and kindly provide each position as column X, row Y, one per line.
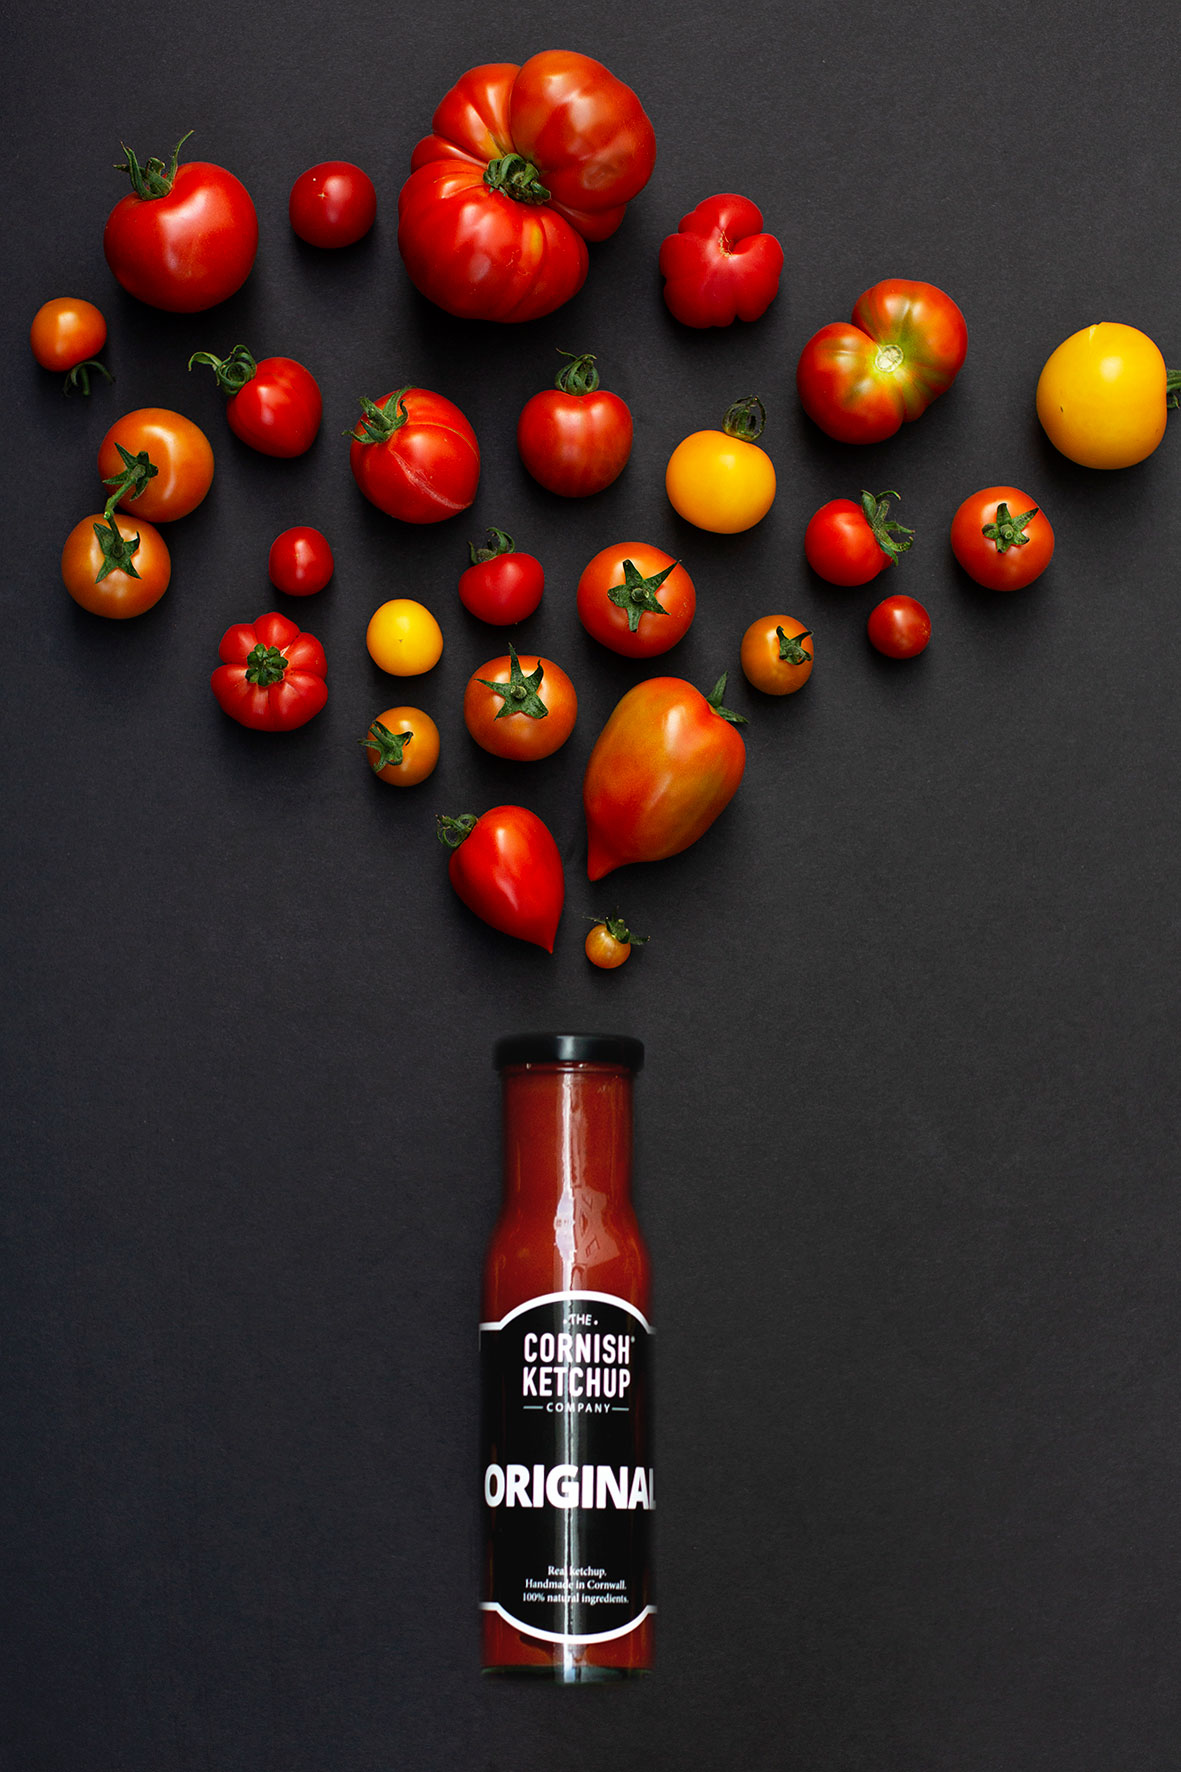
column 577, row 1674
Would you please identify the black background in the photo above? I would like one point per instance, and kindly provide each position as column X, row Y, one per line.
column 904, row 1135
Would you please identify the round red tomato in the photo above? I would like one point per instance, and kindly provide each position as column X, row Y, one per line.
column 1001, row 538
column 66, row 334
column 520, row 708
column 332, row 204
column 848, row 544
column 501, row 586
column 899, row 627
column 160, row 460
column 524, row 165
column 575, row 438
column 505, row 867
column 719, row 266
column 275, row 405
column 636, row 599
column 415, row 456
column 184, row 238
column 300, row 562
column 906, row 345
column 115, row 566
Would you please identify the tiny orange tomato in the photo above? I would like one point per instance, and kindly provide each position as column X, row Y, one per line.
column 403, row 746
column 774, row 658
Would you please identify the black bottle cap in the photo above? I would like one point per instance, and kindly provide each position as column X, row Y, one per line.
column 618, row 1049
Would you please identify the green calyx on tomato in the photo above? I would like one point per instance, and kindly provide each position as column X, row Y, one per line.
column 387, row 746
column 381, row 421
column 1173, row 388
column 153, row 178
column 618, row 930
column 232, row 372
column 501, row 543
column 637, row 594
column 790, row 647
column 117, row 550
column 885, row 530
column 746, row 419
column 579, row 376
column 265, row 665
column 714, row 700
column 1009, row 531
column 78, row 378
column 520, row 692
column 137, row 471
column 516, row 177
column 454, row 831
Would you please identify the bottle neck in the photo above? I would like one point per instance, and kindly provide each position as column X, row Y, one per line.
column 567, row 1132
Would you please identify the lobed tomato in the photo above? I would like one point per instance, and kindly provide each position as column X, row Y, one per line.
column 849, row 544
column 522, row 709
column 905, row 346
column 300, row 562
column 332, row 204
column 275, row 405
column 185, row 236
column 67, row 334
column 404, row 638
column 1001, row 538
column 899, row 627
column 722, row 480
column 774, row 657
column 271, row 677
column 505, row 867
column 115, row 567
column 1104, row 396
column 636, row 599
column 610, row 943
column 576, row 437
column 501, row 586
column 403, row 746
column 159, row 461
column 415, row 456
column 720, row 266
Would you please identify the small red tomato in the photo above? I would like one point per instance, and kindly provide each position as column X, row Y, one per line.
column 275, row 404
column 636, row 599
column 848, row 544
column 415, row 456
column 66, row 334
column 501, row 586
column 905, row 346
column 899, row 627
column 403, row 746
column 271, row 677
column 1001, row 538
column 505, row 866
column 610, row 943
column 184, row 237
column 720, row 266
column 575, row 438
column 774, row 658
column 115, row 566
column 332, row 204
column 300, row 562
column 523, row 709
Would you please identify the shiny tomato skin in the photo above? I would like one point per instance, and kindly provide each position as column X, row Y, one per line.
column 509, row 872
column 332, row 204
column 293, row 698
column 428, row 469
column 404, row 638
column 840, row 546
column 119, row 595
column 608, row 623
column 300, row 562
column 278, row 411
column 719, row 482
column 575, row 444
column 1014, row 567
column 899, row 627
column 762, row 665
column 720, row 266
column 905, row 345
column 1102, row 396
column 602, row 949
column 420, row 753
column 520, row 737
column 189, row 250
column 503, row 590
column 66, row 331
column 178, row 449
column 662, row 769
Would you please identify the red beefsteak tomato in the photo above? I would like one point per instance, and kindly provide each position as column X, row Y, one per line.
column 524, row 165
column 271, row 676
column 720, row 266
column 905, row 346
column 505, row 866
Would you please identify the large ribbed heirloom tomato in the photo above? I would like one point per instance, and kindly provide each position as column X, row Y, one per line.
column 861, row 382
column 524, row 166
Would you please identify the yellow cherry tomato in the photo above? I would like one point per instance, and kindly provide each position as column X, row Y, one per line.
column 404, row 638
column 403, row 746
column 722, row 480
column 1103, row 396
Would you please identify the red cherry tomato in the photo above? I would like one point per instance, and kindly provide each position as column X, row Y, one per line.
column 185, row 236
column 300, row 562
column 906, row 345
column 666, row 763
column 575, row 438
column 275, row 405
column 505, row 866
column 720, row 266
column 271, row 677
column 848, row 544
column 501, row 586
column 415, row 456
column 1001, row 538
column 899, row 627
column 332, row 204
column 520, row 708
column 636, row 599
column 67, row 334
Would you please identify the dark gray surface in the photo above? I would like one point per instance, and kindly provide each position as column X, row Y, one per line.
column 905, row 1131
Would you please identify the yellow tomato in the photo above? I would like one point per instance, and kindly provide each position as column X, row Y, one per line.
column 722, row 480
column 404, row 638
column 1102, row 396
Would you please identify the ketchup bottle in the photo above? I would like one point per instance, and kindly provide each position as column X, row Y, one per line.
column 567, row 1473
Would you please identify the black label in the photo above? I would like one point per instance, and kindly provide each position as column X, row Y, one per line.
column 567, row 1475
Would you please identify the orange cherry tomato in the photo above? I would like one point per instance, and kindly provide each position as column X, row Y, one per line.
column 521, row 707
column 403, row 746
column 610, row 943
column 774, row 658
column 178, row 451
column 65, row 333
column 108, row 572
